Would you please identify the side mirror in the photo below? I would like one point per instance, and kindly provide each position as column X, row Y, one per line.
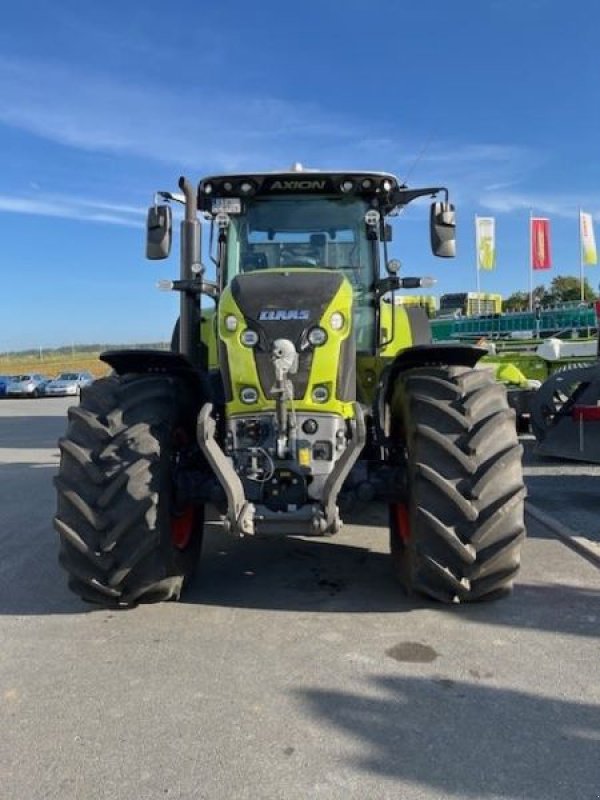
column 442, row 230
column 159, row 232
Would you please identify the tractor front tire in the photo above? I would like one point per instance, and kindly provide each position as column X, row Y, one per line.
column 458, row 524
column 124, row 538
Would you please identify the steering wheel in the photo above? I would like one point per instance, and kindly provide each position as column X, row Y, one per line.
column 289, row 259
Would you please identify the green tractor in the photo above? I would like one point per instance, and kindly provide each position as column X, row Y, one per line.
column 306, row 382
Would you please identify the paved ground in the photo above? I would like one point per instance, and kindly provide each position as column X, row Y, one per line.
column 569, row 491
column 293, row 670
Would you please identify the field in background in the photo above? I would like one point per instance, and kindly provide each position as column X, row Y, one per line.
column 66, row 359
column 52, row 364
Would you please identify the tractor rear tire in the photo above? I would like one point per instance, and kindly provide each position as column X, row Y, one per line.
column 123, row 538
column 457, row 528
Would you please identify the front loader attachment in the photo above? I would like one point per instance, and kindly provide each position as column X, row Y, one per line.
column 565, row 415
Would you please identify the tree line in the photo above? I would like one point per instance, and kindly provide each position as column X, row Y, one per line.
column 562, row 289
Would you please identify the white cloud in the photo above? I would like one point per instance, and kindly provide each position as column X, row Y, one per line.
column 468, row 169
column 565, row 205
column 205, row 128
column 66, row 207
column 196, row 126
column 500, row 186
column 475, row 153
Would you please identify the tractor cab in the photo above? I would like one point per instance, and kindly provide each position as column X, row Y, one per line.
column 308, row 223
column 311, row 221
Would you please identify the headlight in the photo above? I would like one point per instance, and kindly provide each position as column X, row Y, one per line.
column 231, row 323
column 249, row 337
column 317, row 336
column 336, row 320
column 320, row 394
column 248, row 395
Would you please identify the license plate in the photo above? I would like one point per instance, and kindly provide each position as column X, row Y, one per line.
column 229, row 205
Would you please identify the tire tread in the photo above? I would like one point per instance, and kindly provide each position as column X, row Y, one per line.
column 466, row 492
column 112, row 516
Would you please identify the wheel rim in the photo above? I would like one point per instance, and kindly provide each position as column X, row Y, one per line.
column 182, row 527
column 401, row 520
column 183, row 520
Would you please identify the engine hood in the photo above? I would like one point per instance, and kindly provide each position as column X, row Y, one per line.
column 287, row 304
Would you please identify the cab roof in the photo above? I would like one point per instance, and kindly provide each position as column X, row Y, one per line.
column 382, row 190
column 297, row 181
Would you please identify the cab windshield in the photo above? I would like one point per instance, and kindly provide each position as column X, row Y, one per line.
column 308, row 232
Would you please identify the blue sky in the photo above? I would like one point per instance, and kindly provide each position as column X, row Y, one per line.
column 102, row 103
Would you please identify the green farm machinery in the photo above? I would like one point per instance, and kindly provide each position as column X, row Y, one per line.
column 302, row 383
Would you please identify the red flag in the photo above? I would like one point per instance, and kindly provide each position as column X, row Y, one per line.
column 540, row 243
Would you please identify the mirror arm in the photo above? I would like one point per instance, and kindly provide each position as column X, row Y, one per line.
column 194, row 287
column 169, row 197
column 393, row 283
column 385, row 285
column 402, row 197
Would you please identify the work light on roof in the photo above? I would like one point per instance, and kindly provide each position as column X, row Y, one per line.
column 372, row 217
column 207, row 188
column 386, row 185
column 347, row 186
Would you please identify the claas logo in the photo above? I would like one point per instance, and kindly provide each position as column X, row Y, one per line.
column 283, row 315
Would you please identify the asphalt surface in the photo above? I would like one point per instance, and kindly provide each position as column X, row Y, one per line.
column 567, row 491
column 294, row 669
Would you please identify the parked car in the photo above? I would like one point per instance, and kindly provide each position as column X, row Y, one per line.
column 68, row 383
column 30, row 385
column 4, row 381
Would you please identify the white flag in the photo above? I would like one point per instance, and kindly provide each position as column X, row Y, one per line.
column 588, row 241
column 485, row 229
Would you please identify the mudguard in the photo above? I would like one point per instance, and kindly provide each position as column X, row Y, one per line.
column 157, row 362
column 426, row 355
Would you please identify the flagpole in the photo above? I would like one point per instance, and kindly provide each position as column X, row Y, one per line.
column 477, row 265
column 530, row 262
column 582, row 292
